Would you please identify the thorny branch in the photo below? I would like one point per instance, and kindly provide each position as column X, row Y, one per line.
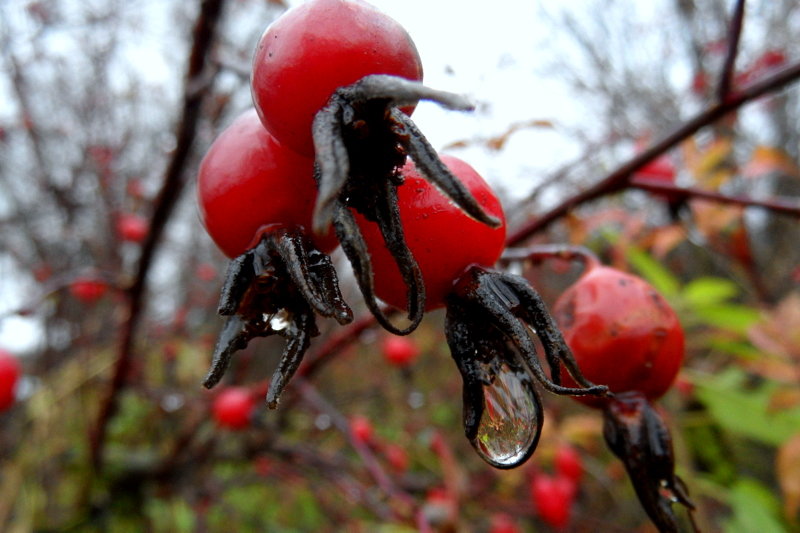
column 204, row 36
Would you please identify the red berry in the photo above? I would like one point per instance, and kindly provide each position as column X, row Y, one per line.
column 399, row 351
column 361, row 429
column 622, row 332
column 568, row 463
column 660, row 169
column 88, row 289
column 233, row 408
column 552, row 499
column 10, row 370
column 132, row 228
column 771, row 59
column 444, row 240
column 315, row 48
column 396, row 456
column 248, row 181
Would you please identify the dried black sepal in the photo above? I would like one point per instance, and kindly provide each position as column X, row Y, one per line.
column 275, row 288
column 362, row 139
column 490, row 322
column 636, row 434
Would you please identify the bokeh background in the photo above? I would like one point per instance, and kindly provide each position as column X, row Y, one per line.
column 92, row 97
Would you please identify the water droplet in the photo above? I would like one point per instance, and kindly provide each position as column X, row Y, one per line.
column 172, row 402
column 280, row 320
column 511, row 421
column 416, row 399
column 322, row 422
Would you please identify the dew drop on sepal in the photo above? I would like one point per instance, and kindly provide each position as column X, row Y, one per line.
column 512, row 418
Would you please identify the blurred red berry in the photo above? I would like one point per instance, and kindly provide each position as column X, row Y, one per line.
column 233, row 408
column 568, row 463
column 10, row 370
column 87, row 289
column 397, row 457
column 399, row 351
column 361, row 429
column 132, row 228
column 552, row 498
column 503, row 523
column 700, row 83
column 771, row 59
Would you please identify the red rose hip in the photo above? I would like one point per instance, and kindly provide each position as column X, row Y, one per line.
column 317, row 47
column 622, row 333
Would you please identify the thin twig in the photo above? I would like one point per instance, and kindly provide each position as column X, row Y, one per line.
column 776, row 205
column 174, row 179
column 371, row 463
column 621, row 177
column 729, row 66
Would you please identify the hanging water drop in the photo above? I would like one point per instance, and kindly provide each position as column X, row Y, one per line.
column 511, row 421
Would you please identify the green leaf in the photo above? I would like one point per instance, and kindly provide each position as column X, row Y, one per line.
column 654, row 272
column 745, row 410
column 754, row 509
column 707, row 290
column 733, row 317
column 741, row 349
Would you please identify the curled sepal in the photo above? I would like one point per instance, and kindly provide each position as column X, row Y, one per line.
column 275, row 288
column 515, row 313
column 361, row 140
column 636, row 434
column 502, row 412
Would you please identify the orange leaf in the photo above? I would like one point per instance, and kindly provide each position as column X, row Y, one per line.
column 712, row 218
column 665, row 239
column 787, row 467
column 766, row 160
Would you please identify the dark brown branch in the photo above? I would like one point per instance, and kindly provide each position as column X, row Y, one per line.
column 197, row 81
column 620, row 178
column 729, row 66
column 776, row 205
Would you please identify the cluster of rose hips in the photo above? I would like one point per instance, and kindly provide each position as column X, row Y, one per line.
column 329, row 156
